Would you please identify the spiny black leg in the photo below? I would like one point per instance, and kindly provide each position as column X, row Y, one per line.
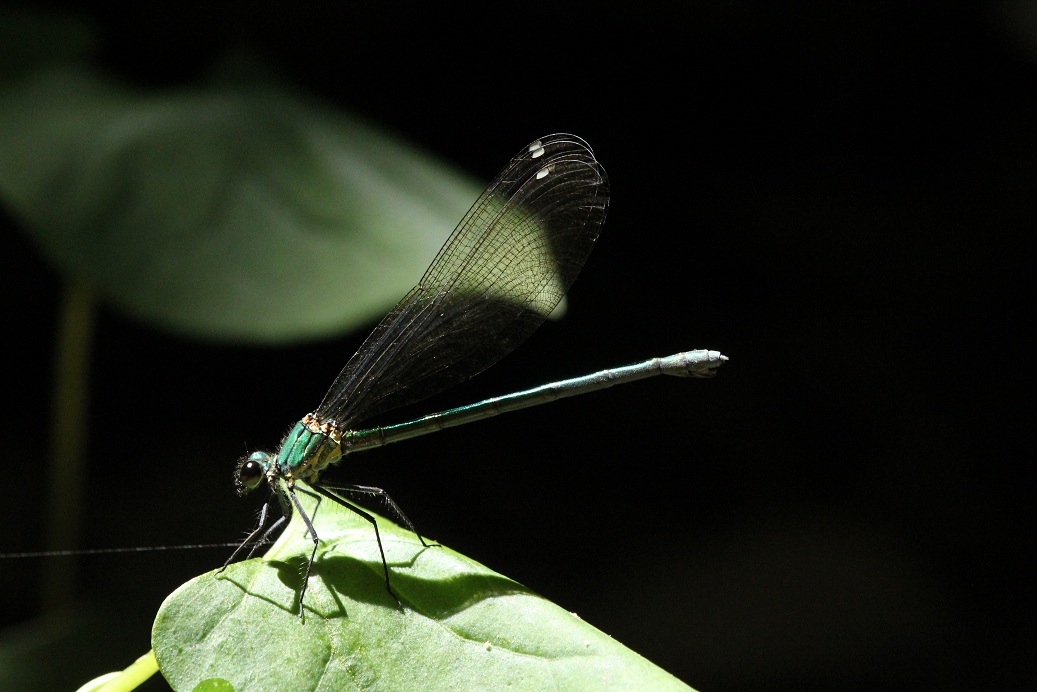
column 377, row 535
column 317, row 499
column 265, row 538
column 248, row 539
column 316, row 541
column 389, row 502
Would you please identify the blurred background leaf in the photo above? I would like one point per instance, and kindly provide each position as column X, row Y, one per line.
column 37, row 38
column 236, row 211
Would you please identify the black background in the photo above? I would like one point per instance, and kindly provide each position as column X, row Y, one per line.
column 839, row 196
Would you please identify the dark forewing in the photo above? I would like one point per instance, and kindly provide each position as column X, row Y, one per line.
column 508, row 263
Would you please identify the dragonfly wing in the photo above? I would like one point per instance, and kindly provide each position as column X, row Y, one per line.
column 499, row 275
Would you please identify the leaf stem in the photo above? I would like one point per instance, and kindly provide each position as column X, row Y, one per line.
column 68, row 441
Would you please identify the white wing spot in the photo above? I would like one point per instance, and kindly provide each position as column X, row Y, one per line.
column 543, row 172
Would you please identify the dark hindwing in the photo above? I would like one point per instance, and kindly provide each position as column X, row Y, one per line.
column 501, row 272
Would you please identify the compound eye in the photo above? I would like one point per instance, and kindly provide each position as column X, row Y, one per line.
column 251, row 471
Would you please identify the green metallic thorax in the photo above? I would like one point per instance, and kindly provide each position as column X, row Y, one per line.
column 308, row 448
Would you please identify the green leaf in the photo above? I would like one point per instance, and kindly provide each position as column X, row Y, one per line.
column 461, row 626
column 238, row 211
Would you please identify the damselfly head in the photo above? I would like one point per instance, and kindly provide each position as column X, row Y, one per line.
column 250, row 471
